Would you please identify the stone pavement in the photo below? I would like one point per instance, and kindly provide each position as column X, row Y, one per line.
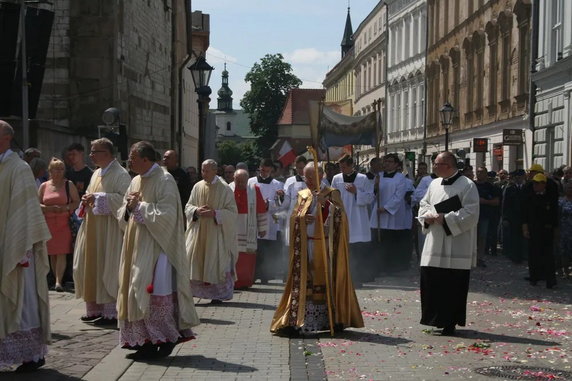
column 509, row 323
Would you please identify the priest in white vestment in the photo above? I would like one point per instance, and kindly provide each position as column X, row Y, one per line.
column 357, row 195
column 292, row 186
column 393, row 217
column 99, row 240
column 155, row 307
column 211, row 236
column 270, row 264
column 418, row 194
column 24, row 309
column 450, row 249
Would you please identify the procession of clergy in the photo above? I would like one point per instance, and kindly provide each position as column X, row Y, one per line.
column 141, row 256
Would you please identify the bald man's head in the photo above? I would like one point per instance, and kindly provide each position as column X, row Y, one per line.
column 170, row 159
column 445, row 164
column 6, row 128
column 240, row 179
column 6, row 134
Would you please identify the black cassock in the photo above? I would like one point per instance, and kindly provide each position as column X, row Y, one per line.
column 540, row 212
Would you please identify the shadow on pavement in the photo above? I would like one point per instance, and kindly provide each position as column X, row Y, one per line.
column 41, row 374
column 469, row 333
column 216, row 322
column 260, row 290
column 59, row 336
column 254, row 306
column 204, row 363
column 368, row 337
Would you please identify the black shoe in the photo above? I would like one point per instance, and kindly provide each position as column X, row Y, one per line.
column 551, row 285
column 448, row 331
column 338, row 328
column 216, row 301
column 530, row 280
column 165, row 349
column 89, row 318
column 147, row 352
column 289, row 332
column 30, row 366
column 105, row 322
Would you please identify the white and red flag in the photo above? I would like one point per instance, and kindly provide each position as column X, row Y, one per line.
column 286, row 155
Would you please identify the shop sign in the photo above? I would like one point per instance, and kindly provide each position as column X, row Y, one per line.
column 512, row 137
column 480, row 145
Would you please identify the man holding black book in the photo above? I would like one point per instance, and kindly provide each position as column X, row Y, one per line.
column 449, row 213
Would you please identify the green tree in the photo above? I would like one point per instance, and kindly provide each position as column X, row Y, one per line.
column 228, row 152
column 231, row 152
column 270, row 80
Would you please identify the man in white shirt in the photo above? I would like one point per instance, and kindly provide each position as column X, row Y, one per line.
column 450, row 250
column 269, row 262
column 292, row 186
column 357, row 195
column 391, row 219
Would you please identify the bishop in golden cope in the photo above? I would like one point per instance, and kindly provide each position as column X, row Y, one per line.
column 319, row 294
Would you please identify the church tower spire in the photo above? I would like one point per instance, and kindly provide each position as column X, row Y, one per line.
column 347, row 40
column 225, row 93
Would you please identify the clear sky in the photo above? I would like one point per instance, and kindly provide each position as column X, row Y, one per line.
column 308, row 33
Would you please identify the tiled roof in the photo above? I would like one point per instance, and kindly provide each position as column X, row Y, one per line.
column 295, row 110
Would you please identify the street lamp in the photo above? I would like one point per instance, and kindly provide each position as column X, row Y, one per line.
column 201, row 73
column 447, row 112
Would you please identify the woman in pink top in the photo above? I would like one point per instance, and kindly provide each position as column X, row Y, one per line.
column 57, row 207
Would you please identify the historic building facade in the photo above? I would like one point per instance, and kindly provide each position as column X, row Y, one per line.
column 230, row 124
column 369, row 66
column 407, row 25
column 131, row 55
column 478, row 59
column 553, row 84
column 339, row 81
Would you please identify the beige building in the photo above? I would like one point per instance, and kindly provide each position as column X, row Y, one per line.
column 370, row 47
column 358, row 81
column 478, row 59
column 339, row 81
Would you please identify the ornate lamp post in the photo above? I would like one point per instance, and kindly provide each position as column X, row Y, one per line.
column 447, row 112
column 201, row 73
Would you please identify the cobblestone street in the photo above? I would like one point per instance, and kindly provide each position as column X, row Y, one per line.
column 509, row 323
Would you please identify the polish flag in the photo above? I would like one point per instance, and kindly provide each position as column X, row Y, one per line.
column 286, row 155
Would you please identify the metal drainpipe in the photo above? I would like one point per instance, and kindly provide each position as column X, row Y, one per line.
column 424, row 149
column 533, row 57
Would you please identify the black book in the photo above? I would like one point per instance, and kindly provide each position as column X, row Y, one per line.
column 449, row 205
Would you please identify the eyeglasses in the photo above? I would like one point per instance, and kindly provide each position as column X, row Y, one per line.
column 94, row 152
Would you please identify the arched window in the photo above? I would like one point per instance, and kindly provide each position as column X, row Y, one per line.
column 505, row 21
column 523, row 12
column 479, row 52
column 492, row 35
column 455, row 55
column 467, row 46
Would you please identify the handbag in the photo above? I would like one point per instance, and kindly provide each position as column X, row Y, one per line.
column 73, row 221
